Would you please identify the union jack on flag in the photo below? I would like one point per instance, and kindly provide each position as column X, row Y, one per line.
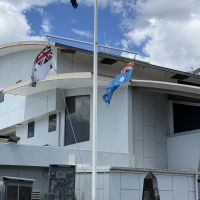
column 128, row 67
column 42, row 65
column 44, row 56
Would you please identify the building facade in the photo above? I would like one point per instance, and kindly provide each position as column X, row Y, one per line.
column 151, row 124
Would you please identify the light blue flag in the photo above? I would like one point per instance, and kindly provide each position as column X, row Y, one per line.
column 119, row 79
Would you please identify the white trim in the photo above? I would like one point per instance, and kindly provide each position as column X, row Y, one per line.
column 77, row 80
column 167, row 86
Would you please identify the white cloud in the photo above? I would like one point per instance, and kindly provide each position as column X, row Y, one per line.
column 14, row 25
column 83, row 33
column 167, row 32
column 46, row 25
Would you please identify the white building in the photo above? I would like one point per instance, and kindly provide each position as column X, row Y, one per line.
column 152, row 122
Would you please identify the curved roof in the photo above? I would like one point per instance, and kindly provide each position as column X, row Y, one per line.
column 21, row 46
column 150, row 71
column 65, row 81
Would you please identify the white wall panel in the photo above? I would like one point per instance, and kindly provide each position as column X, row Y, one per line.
column 149, row 141
column 184, row 151
column 138, row 148
column 180, row 188
column 129, row 181
column 129, row 194
column 138, row 128
column 150, row 127
column 161, row 160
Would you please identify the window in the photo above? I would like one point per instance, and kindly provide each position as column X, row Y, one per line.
column 31, row 127
column 186, row 117
column 1, row 96
column 79, row 113
column 52, row 123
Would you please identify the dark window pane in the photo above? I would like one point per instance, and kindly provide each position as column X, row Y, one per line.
column 25, row 193
column 79, row 112
column 1, row 96
column 31, row 127
column 71, row 104
column 52, row 123
column 186, row 117
column 11, row 192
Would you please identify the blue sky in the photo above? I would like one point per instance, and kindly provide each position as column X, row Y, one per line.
column 164, row 32
column 65, row 20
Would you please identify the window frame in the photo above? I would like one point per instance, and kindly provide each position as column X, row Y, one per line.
column 78, row 95
column 2, row 96
column 30, row 124
column 53, row 116
column 171, row 120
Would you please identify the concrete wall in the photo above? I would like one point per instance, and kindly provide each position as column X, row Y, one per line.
column 78, row 62
column 12, row 110
column 112, row 121
column 41, row 134
column 16, row 109
column 184, row 151
column 150, row 128
column 18, row 66
column 171, row 187
column 129, row 186
column 40, row 104
column 83, row 186
column 26, row 155
column 39, row 174
column 111, row 185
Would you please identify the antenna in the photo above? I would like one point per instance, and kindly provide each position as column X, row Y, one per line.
column 106, row 47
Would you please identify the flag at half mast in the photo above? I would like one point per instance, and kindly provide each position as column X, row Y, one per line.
column 42, row 65
column 119, row 79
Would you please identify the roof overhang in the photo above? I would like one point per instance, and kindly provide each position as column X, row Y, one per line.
column 23, row 46
column 167, row 87
column 64, row 81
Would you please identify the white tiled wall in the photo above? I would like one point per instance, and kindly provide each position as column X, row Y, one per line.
column 150, row 127
column 128, row 186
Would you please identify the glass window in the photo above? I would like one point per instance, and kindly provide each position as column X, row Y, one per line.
column 52, row 123
column 31, row 127
column 186, row 117
column 1, row 96
column 11, row 192
column 79, row 113
column 25, row 193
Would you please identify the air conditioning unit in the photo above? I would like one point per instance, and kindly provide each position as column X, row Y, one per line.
column 36, row 194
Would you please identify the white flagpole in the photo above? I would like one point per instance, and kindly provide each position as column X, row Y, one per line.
column 94, row 124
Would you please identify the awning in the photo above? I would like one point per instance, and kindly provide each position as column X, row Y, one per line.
column 64, row 81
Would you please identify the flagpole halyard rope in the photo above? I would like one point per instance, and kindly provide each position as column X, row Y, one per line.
column 73, row 132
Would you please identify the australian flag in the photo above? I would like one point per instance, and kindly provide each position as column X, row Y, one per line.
column 119, row 79
column 42, row 65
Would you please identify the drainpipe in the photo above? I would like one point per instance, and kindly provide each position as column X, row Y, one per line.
column 58, row 127
column 196, row 185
